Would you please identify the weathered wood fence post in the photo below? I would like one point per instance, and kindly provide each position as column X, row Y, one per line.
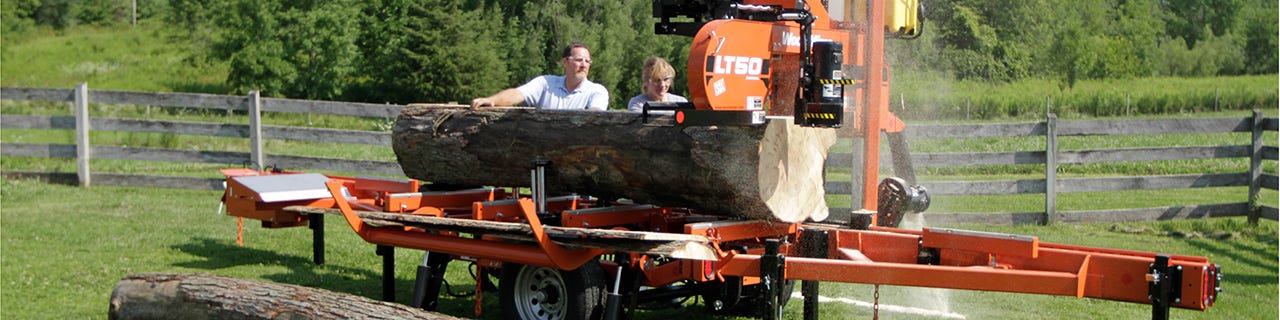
column 83, row 150
column 1255, row 167
column 1050, row 169
column 255, row 130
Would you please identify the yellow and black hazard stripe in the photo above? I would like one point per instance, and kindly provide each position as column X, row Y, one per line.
column 837, row 81
column 820, row 115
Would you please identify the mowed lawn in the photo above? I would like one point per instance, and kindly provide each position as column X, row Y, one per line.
column 62, row 249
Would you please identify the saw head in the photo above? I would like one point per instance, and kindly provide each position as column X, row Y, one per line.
column 896, row 199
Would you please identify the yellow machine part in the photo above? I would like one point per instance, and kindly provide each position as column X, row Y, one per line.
column 901, row 17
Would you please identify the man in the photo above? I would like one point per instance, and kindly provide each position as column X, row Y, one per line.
column 569, row 92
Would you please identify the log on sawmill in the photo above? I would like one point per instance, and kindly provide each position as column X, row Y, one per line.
column 771, row 171
column 196, row 296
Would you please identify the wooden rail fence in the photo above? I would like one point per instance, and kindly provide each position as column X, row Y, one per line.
column 1050, row 186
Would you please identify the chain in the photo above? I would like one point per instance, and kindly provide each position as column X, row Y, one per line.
column 875, row 308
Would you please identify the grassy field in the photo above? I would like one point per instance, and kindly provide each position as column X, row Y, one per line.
column 62, row 257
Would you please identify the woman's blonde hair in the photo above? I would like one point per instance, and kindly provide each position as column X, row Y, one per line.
column 656, row 68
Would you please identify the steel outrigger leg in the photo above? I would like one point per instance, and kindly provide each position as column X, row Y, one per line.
column 815, row 245
column 315, row 221
column 772, row 279
column 388, row 254
column 1164, row 286
column 426, row 287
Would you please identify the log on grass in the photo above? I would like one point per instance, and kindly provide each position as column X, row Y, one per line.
column 771, row 171
column 197, row 296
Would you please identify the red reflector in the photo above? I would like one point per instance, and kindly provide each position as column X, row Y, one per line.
column 679, row 116
column 708, row 270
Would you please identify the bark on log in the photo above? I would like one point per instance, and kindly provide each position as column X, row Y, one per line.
column 195, row 296
column 771, row 171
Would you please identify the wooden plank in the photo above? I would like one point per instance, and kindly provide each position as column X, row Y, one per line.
column 120, row 180
column 171, row 126
column 1269, row 152
column 984, row 187
column 149, row 181
column 38, row 150
column 64, row 178
column 1153, row 126
column 997, row 218
column 37, row 94
column 170, row 155
column 172, row 99
column 1154, row 182
column 389, row 111
column 982, row 130
column 290, row 162
column 1269, row 181
column 125, row 153
column 1255, row 161
column 957, row 159
column 226, row 157
column 1051, row 170
column 14, row 121
column 937, row 160
column 1081, row 216
column 1269, row 212
column 82, row 134
column 1153, row 153
column 1161, row 213
column 676, row 244
column 1271, row 124
column 325, row 135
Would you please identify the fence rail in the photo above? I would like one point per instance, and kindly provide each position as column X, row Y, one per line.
column 1050, row 129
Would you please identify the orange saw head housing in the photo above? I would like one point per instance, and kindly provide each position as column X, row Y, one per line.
column 778, row 57
column 755, row 56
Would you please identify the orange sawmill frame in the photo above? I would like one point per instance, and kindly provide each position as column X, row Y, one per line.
column 960, row 259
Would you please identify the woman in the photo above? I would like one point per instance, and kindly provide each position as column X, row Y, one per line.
column 656, row 75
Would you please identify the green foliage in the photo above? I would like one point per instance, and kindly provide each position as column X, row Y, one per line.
column 1002, row 40
column 436, row 52
column 287, row 48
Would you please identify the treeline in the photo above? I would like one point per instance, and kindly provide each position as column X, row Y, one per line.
column 403, row 51
column 1004, row 40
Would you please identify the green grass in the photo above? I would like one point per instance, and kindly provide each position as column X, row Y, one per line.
column 65, row 247
column 146, row 58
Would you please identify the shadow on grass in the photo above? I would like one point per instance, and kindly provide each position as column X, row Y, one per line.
column 221, row 254
column 217, row 254
column 1260, row 259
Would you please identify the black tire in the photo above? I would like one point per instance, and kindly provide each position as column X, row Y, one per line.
column 541, row 293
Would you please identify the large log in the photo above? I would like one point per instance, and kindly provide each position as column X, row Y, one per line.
column 771, row 171
column 196, row 296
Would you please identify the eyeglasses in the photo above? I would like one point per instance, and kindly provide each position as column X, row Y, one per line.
column 657, row 80
column 579, row 59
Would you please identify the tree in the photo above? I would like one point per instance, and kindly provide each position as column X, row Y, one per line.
column 299, row 49
column 446, row 57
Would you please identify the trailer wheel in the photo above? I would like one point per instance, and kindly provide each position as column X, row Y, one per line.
column 541, row 293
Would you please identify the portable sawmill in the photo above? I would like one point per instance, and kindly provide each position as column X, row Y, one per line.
column 565, row 254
